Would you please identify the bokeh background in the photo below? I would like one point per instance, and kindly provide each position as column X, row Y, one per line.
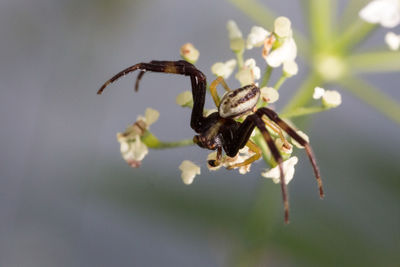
column 67, row 198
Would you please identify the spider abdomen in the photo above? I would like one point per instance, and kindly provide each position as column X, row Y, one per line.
column 238, row 102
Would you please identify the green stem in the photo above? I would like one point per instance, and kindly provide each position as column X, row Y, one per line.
column 377, row 61
column 372, row 96
column 153, row 142
column 304, row 93
column 353, row 35
column 279, row 83
column 320, row 22
column 266, row 76
column 239, row 57
column 303, row 111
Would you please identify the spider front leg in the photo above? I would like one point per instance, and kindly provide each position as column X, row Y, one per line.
column 213, row 89
column 272, row 115
column 197, row 78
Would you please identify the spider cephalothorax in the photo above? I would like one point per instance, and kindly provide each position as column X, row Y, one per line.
column 220, row 130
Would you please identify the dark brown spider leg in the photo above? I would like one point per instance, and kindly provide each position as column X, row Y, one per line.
column 217, row 161
column 277, row 157
column 237, row 137
column 198, row 81
column 138, row 78
column 272, row 115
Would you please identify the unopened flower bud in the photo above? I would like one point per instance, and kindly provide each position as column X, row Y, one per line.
column 189, row 53
column 331, row 99
column 184, row 99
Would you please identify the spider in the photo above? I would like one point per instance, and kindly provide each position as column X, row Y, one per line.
column 220, row 130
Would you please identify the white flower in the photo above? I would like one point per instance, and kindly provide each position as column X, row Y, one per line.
column 184, row 98
column 249, row 73
column 189, row 53
column 305, row 137
column 318, row 92
column 290, row 68
column 282, row 27
column 189, row 171
column 286, row 52
column 288, row 170
column 269, row 94
column 385, row 12
column 392, row 40
column 235, row 37
column 256, row 37
column 132, row 152
column 224, row 69
column 331, row 99
column 243, row 155
column 150, row 117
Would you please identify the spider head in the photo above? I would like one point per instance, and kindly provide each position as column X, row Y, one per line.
column 239, row 102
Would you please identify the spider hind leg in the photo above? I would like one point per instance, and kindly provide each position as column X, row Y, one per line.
column 272, row 115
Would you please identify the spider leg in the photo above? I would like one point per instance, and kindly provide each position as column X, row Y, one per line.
column 272, row 115
column 277, row 157
column 197, row 78
column 253, row 147
column 237, row 137
column 213, row 89
column 217, row 161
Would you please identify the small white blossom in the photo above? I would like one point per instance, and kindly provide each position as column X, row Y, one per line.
column 249, row 73
column 269, row 94
column 189, row 53
column 151, row 116
column 288, row 170
column 318, row 92
column 290, row 68
column 184, row 98
column 305, row 137
column 385, row 12
column 237, row 42
column 189, row 171
column 331, row 99
column 224, row 69
column 256, row 37
column 286, row 52
column 243, row 155
column 392, row 40
column 132, row 152
column 282, row 27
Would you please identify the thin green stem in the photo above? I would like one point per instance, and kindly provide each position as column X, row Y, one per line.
column 266, row 76
column 301, row 111
column 353, row 35
column 320, row 22
column 372, row 96
column 377, row 61
column 153, row 142
column 279, row 83
column 304, row 93
column 239, row 57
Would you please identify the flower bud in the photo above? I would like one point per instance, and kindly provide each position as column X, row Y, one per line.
column 189, row 53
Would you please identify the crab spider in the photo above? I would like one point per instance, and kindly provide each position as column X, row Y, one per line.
column 220, row 130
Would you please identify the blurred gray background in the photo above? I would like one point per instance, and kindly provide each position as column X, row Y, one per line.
column 67, row 198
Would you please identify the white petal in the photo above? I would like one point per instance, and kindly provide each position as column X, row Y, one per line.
column 151, row 116
column 189, row 53
column 256, row 37
column 288, row 170
column 184, row 98
column 290, row 68
column 318, row 92
column 331, row 98
column 233, row 30
column 392, row 40
column 269, row 94
column 189, row 171
column 282, row 27
column 286, row 52
column 224, row 69
column 385, row 12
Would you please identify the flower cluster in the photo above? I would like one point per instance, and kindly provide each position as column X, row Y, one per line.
column 387, row 14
